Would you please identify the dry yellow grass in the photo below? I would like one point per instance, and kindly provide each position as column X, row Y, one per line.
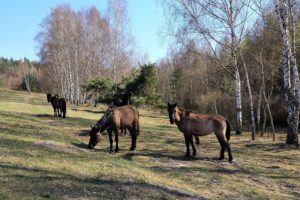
column 43, row 157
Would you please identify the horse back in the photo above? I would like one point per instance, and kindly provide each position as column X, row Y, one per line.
column 203, row 124
column 217, row 119
column 125, row 116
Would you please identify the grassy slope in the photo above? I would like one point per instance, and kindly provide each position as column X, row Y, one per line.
column 45, row 157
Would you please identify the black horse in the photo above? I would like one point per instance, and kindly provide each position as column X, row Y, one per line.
column 59, row 105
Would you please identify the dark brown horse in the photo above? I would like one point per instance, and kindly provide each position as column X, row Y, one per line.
column 193, row 124
column 114, row 119
column 59, row 105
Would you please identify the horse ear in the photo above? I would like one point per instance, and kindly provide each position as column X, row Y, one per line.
column 91, row 126
column 169, row 105
column 175, row 104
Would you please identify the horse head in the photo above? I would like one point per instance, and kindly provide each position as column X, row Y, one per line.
column 95, row 137
column 172, row 112
column 49, row 97
column 101, row 126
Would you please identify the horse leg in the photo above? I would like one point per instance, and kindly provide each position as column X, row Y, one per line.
column 197, row 140
column 193, row 146
column 223, row 147
column 117, row 140
column 110, row 141
column 187, row 144
column 229, row 152
column 133, row 138
column 222, row 152
column 59, row 112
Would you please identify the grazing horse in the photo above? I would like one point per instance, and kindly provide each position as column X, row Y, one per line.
column 193, row 124
column 114, row 119
column 125, row 100
column 59, row 105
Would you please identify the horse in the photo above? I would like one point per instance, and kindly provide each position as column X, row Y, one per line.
column 193, row 124
column 59, row 105
column 125, row 100
column 114, row 119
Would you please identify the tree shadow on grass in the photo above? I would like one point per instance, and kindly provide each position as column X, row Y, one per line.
column 83, row 133
column 80, row 145
column 57, row 121
column 37, row 183
column 85, row 146
column 90, row 111
column 190, row 170
column 157, row 155
column 42, row 115
column 273, row 147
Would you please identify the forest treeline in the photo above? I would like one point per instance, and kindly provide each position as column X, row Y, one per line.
column 244, row 67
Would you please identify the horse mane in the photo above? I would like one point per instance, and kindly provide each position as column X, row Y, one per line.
column 104, row 121
column 184, row 112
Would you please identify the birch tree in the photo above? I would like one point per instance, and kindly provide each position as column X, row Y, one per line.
column 263, row 93
column 121, row 39
column 285, row 13
column 212, row 21
column 250, row 96
column 77, row 46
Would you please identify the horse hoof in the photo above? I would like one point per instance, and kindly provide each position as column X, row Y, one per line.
column 221, row 158
column 132, row 149
column 230, row 160
column 187, row 155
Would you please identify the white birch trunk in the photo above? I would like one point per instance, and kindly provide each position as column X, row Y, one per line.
column 292, row 126
column 250, row 97
column 258, row 115
column 295, row 74
column 237, row 94
column 233, row 48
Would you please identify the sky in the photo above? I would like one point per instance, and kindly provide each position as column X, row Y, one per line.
column 20, row 19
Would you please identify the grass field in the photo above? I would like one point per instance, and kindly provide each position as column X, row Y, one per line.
column 44, row 157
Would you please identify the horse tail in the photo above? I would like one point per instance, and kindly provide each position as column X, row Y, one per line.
column 227, row 131
column 64, row 107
